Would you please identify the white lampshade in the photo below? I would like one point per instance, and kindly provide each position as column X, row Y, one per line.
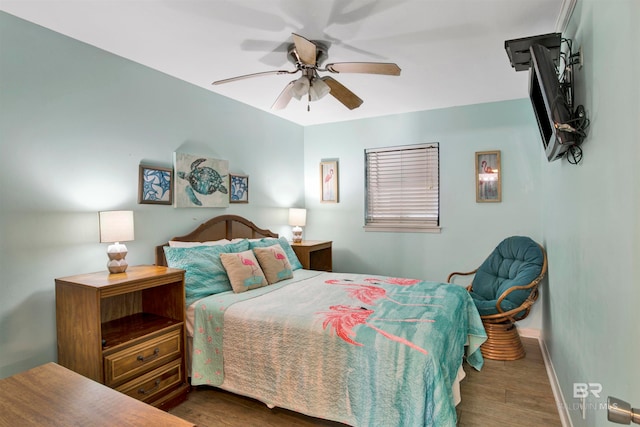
column 297, row 217
column 116, row 227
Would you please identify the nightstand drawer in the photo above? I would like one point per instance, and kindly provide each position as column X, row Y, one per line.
column 135, row 360
column 153, row 384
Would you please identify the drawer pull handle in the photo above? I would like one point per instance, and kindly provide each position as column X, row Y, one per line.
column 151, row 390
column 155, row 354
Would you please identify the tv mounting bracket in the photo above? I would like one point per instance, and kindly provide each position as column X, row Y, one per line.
column 520, row 58
column 518, row 49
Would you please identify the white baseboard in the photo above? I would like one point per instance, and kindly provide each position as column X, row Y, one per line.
column 555, row 386
column 551, row 373
column 530, row 333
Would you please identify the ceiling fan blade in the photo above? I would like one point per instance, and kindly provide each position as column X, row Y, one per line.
column 284, row 97
column 342, row 94
column 306, row 49
column 386, row 68
column 248, row 76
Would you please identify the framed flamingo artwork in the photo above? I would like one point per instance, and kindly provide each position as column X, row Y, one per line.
column 329, row 181
column 488, row 177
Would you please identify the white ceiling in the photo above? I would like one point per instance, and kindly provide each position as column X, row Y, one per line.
column 451, row 52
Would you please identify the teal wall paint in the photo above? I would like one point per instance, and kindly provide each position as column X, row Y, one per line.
column 592, row 216
column 75, row 123
column 470, row 230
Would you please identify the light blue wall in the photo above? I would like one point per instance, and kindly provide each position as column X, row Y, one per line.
column 470, row 230
column 591, row 220
column 75, row 123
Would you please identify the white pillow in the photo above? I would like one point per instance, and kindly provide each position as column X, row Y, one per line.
column 179, row 244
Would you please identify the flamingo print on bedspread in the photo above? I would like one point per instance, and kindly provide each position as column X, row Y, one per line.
column 358, row 349
column 343, row 318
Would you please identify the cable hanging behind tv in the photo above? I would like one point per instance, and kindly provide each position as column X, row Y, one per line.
column 562, row 128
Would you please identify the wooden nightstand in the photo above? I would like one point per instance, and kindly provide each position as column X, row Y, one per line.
column 314, row 254
column 126, row 331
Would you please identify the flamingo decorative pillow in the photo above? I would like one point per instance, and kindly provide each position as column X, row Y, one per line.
column 269, row 241
column 243, row 270
column 274, row 263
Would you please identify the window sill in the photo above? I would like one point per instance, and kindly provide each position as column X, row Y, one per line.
column 401, row 229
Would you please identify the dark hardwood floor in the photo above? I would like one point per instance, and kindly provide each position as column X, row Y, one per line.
column 511, row 394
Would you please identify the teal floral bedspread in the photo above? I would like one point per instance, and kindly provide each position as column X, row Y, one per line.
column 359, row 349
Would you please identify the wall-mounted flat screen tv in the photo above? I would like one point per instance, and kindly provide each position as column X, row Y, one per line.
column 549, row 104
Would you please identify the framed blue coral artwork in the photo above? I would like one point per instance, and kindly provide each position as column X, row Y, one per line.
column 154, row 185
column 239, row 188
column 200, row 181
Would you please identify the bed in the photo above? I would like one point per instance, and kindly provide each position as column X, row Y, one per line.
column 364, row 350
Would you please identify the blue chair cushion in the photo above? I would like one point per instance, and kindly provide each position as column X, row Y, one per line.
column 516, row 261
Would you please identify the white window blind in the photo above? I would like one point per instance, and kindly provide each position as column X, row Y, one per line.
column 403, row 187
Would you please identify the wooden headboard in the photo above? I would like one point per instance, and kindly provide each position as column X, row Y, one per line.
column 220, row 227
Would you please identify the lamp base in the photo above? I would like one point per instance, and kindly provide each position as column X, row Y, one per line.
column 117, row 266
column 116, row 253
column 297, row 234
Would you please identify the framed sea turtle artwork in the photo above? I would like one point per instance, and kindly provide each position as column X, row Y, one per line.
column 200, row 182
column 239, row 188
column 154, row 185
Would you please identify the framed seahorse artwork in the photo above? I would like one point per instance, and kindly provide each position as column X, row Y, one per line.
column 154, row 185
column 200, row 182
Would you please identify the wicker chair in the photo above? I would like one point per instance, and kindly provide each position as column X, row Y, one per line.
column 504, row 289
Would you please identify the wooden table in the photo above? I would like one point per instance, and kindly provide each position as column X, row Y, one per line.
column 51, row 395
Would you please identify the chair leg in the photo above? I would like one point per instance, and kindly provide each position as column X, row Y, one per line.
column 503, row 342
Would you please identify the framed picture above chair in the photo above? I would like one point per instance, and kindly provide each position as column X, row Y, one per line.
column 488, row 177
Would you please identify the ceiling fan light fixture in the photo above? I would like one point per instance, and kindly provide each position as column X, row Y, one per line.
column 318, row 90
column 300, row 87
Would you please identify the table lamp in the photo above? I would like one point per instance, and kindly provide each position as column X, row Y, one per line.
column 116, row 227
column 297, row 219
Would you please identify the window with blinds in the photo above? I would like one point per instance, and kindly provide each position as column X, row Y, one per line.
column 403, row 188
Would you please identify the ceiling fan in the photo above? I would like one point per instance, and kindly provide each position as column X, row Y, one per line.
column 307, row 55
